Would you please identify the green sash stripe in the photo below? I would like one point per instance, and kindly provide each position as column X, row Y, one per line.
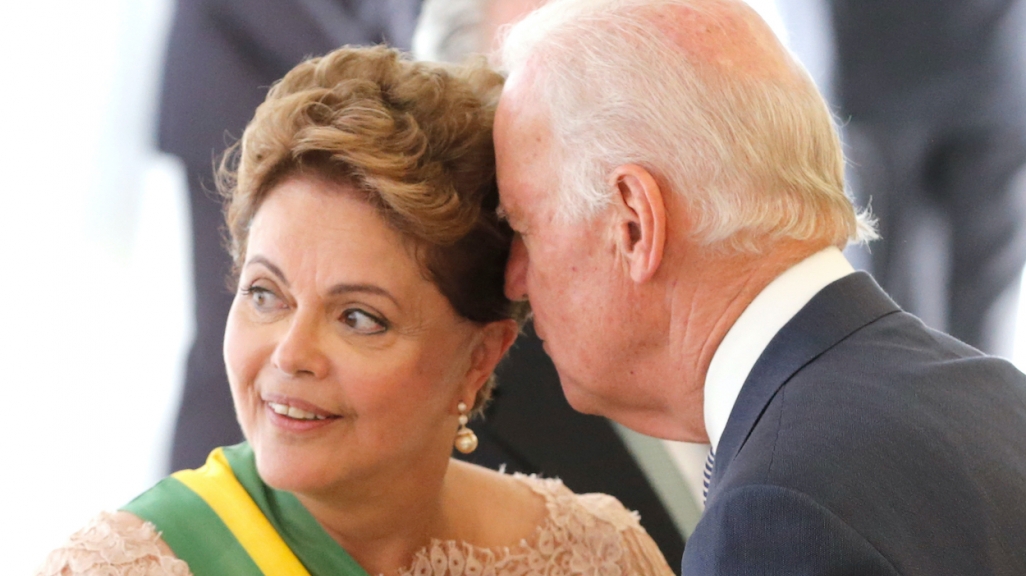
column 193, row 530
column 315, row 548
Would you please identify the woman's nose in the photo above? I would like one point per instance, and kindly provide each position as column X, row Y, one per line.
column 300, row 351
column 516, row 271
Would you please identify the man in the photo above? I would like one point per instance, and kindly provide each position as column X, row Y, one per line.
column 677, row 186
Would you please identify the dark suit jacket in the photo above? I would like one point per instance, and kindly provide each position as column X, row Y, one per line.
column 531, row 428
column 863, row 443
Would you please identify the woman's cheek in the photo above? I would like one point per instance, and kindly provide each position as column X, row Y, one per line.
column 246, row 350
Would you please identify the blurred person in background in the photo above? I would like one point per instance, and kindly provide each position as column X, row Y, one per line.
column 933, row 98
column 222, row 56
column 368, row 320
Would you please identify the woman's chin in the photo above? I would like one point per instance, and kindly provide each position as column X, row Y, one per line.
column 293, row 468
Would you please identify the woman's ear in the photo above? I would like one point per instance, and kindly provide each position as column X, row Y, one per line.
column 494, row 341
column 640, row 226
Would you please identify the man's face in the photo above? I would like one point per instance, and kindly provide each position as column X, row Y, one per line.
column 566, row 270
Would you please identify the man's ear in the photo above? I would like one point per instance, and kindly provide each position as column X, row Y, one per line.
column 641, row 220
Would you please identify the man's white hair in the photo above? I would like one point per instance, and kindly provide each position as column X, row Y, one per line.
column 755, row 156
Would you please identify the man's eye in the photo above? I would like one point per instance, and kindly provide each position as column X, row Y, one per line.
column 363, row 322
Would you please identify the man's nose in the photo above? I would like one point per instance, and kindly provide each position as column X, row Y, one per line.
column 516, row 271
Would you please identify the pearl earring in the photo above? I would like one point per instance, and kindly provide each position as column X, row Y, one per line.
column 466, row 440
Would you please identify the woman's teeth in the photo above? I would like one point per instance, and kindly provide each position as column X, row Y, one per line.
column 293, row 412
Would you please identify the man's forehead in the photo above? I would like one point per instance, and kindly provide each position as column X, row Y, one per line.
column 522, row 128
column 523, row 145
column 523, row 138
column 517, row 198
column 520, row 89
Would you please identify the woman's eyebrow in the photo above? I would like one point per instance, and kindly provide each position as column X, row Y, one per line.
column 270, row 266
column 345, row 288
column 336, row 290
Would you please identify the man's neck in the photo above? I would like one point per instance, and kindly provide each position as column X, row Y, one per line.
column 752, row 331
column 714, row 289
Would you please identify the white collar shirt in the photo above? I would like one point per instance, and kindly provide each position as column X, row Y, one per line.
column 747, row 339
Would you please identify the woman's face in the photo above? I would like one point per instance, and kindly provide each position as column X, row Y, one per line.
column 346, row 364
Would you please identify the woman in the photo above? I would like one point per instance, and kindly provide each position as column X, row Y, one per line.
column 368, row 319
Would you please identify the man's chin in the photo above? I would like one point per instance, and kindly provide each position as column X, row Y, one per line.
column 580, row 399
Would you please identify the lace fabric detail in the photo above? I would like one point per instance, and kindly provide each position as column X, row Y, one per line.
column 114, row 545
column 589, row 535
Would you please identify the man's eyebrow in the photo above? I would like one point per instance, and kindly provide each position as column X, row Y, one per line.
column 509, row 217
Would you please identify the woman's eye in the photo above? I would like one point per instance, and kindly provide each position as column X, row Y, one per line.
column 262, row 298
column 363, row 322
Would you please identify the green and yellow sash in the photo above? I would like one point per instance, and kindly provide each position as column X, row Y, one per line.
column 222, row 520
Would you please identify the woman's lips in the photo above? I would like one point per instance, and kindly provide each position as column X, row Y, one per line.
column 294, row 413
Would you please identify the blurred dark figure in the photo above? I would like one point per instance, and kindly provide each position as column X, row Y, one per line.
column 935, row 92
column 222, row 57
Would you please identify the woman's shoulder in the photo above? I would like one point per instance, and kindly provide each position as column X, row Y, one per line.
column 564, row 505
column 592, row 533
column 114, row 543
column 534, row 499
column 562, row 533
column 480, row 496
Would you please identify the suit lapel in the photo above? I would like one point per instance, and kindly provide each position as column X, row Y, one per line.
column 837, row 311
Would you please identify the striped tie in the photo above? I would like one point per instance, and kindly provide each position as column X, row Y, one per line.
column 707, row 475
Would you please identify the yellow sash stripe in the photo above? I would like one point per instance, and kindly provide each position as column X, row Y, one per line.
column 217, row 485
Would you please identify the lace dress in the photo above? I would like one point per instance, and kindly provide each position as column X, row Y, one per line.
column 589, row 534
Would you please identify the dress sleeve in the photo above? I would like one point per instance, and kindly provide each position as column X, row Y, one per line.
column 641, row 555
column 114, row 544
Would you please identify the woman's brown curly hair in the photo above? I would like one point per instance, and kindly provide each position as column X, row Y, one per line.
column 414, row 137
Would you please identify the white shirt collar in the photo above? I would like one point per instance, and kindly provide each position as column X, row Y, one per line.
column 746, row 340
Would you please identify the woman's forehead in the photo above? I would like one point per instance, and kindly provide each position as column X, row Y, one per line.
column 321, row 222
